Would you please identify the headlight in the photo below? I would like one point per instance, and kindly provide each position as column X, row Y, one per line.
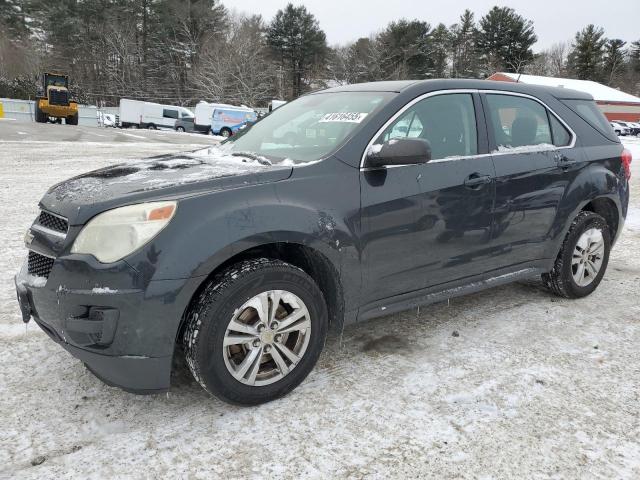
column 114, row 234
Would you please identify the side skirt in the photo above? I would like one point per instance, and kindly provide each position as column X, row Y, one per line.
column 410, row 300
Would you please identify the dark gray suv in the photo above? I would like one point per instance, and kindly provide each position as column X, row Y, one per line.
column 341, row 206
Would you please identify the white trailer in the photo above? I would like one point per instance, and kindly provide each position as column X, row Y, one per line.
column 203, row 113
column 135, row 113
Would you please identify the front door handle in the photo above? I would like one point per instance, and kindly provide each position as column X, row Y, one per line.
column 476, row 181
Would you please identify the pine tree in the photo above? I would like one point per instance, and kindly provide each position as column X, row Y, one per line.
column 405, row 50
column 614, row 61
column 587, row 54
column 298, row 43
column 440, row 44
column 505, row 40
column 633, row 70
column 463, row 47
column 13, row 20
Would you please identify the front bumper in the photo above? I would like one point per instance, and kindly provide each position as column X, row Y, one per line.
column 125, row 336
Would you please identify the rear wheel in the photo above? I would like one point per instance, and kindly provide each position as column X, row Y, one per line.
column 255, row 332
column 583, row 258
column 72, row 120
column 180, row 129
column 151, row 126
column 225, row 132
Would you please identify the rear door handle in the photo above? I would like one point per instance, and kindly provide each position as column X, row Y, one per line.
column 475, row 180
column 562, row 160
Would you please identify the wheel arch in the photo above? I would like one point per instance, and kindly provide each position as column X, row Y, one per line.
column 311, row 260
column 606, row 208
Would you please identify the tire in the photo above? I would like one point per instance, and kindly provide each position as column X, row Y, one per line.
column 225, row 132
column 561, row 280
column 222, row 301
column 151, row 126
column 72, row 120
column 180, row 129
column 41, row 117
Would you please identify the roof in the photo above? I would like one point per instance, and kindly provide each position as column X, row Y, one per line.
column 385, row 86
column 598, row 91
column 423, row 86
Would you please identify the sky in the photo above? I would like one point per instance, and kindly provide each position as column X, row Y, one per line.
column 554, row 20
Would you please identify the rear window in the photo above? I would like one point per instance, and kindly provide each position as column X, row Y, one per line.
column 589, row 111
column 167, row 113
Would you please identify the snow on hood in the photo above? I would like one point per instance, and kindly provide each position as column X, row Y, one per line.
column 157, row 173
column 166, row 176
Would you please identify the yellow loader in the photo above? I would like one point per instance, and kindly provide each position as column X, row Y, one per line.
column 53, row 102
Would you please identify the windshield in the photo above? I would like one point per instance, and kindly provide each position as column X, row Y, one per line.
column 309, row 128
column 55, row 80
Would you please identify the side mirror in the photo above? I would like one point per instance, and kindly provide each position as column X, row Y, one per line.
column 399, row 151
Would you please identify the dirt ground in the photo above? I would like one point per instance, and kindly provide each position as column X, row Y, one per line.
column 508, row 383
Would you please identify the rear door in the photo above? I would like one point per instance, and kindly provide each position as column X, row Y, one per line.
column 534, row 162
column 428, row 224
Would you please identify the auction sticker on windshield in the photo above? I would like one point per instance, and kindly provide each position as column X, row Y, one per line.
column 348, row 117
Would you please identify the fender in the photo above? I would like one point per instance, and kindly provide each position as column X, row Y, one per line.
column 600, row 182
column 231, row 221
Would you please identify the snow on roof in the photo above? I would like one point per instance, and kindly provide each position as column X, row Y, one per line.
column 598, row 91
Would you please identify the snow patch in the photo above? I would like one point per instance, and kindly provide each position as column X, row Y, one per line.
column 33, row 281
column 542, row 147
column 103, row 290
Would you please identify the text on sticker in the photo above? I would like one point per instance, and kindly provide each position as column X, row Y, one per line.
column 349, row 117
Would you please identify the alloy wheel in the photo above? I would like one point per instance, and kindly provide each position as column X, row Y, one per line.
column 587, row 258
column 266, row 337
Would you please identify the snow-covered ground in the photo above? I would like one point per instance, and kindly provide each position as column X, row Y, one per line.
column 508, row 383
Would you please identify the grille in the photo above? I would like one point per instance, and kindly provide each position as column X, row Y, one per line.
column 52, row 222
column 39, row 265
column 58, row 97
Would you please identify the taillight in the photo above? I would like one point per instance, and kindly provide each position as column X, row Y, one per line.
column 626, row 163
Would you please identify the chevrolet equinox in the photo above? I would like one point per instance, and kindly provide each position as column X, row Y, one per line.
column 344, row 205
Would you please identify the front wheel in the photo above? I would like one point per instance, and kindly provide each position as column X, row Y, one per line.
column 41, row 117
column 180, row 129
column 225, row 132
column 583, row 258
column 255, row 332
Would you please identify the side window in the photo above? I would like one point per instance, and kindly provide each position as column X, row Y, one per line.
column 447, row 122
column 518, row 121
column 168, row 113
column 561, row 136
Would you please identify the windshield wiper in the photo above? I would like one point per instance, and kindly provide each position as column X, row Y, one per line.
column 252, row 156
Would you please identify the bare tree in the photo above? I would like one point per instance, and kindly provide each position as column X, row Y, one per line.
column 558, row 54
column 238, row 69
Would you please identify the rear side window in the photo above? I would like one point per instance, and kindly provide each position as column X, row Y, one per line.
column 167, row 113
column 518, row 122
column 561, row 136
column 447, row 122
column 589, row 111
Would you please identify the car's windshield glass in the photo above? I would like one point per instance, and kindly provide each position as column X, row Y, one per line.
column 309, row 128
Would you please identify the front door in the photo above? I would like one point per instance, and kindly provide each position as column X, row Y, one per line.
column 428, row 224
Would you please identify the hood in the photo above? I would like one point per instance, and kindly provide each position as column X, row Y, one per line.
column 163, row 177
